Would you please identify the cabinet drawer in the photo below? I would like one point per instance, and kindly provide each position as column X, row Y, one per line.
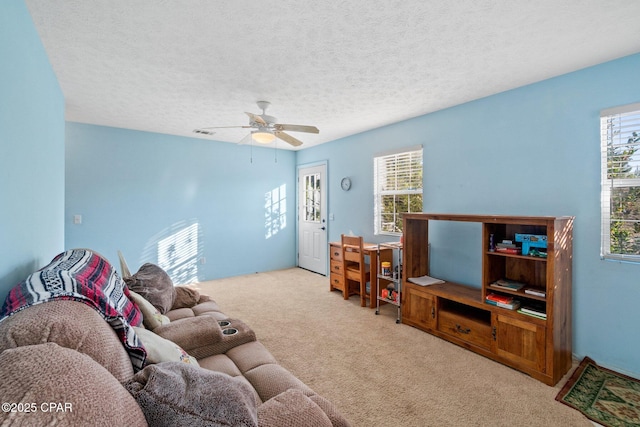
column 337, row 280
column 465, row 328
column 335, row 253
column 336, row 267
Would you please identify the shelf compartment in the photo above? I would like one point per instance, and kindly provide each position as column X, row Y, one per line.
column 469, row 324
column 388, row 301
column 520, row 269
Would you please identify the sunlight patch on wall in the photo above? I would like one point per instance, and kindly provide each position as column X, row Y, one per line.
column 275, row 211
column 177, row 251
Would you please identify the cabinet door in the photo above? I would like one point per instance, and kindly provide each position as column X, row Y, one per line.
column 418, row 308
column 520, row 342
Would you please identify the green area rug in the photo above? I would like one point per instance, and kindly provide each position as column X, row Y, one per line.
column 604, row 396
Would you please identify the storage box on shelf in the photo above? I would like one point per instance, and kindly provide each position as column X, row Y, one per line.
column 537, row 342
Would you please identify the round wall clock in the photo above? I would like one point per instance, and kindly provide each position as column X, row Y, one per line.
column 345, row 183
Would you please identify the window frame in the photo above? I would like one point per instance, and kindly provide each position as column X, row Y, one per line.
column 378, row 193
column 609, row 183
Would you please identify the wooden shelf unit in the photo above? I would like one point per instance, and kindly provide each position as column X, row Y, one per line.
column 459, row 313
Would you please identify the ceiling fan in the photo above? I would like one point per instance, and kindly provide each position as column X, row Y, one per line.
column 265, row 128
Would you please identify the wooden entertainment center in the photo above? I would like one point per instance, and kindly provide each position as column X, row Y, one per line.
column 458, row 313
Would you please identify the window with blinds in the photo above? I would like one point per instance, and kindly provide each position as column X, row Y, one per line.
column 620, row 198
column 397, row 178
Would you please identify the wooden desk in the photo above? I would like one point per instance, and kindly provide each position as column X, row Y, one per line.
column 336, row 272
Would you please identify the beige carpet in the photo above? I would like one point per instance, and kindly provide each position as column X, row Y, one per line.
column 377, row 372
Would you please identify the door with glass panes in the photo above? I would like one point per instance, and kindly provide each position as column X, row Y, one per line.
column 312, row 214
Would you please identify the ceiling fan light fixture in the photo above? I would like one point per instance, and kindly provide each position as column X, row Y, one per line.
column 263, row 136
column 265, row 128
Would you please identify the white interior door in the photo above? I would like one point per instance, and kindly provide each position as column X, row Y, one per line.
column 312, row 218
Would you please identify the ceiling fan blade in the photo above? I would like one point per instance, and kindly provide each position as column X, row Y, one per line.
column 297, row 128
column 224, row 127
column 288, row 138
column 245, row 140
column 256, row 118
column 209, row 131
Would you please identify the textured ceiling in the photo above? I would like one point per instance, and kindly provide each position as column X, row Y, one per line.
column 344, row 66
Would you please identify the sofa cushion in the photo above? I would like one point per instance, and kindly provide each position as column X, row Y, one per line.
column 250, row 355
column 220, row 363
column 203, row 308
column 292, row 409
column 180, row 313
column 82, row 391
column 272, row 379
column 151, row 317
column 70, row 324
column 206, row 307
column 177, row 394
column 154, row 285
column 162, row 350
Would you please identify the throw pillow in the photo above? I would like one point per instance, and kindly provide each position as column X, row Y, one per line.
column 174, row 394
column 185, row 297
column 151, row 317
column 161, row 349
column 154, row 285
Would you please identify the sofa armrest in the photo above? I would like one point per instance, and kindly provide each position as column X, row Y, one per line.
column 192, row 333
column 202, row 336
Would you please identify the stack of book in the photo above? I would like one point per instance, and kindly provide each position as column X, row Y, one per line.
column 503, row 301
column 512, row 285
column 535, row 309
column 508, row 247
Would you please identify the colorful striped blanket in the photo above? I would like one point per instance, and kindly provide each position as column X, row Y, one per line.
column 83, row 275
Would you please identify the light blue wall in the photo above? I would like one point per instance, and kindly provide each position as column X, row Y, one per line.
column 529, row 151
column 31, row 150
column 135, row 189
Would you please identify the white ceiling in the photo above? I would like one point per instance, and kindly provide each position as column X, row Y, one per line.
column 345, row 66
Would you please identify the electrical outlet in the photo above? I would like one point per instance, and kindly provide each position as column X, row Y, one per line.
column 77, row 219
column 203, row 260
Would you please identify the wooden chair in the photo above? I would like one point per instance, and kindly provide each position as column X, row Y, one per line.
column 355, row 267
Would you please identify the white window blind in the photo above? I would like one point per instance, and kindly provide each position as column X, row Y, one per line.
column 620, row 192
column 397, row 178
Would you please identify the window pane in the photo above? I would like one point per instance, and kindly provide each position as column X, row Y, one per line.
column 625, row 238
column 398, row 189
column 620, row 195
column 625, row 221
column 312, row 197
